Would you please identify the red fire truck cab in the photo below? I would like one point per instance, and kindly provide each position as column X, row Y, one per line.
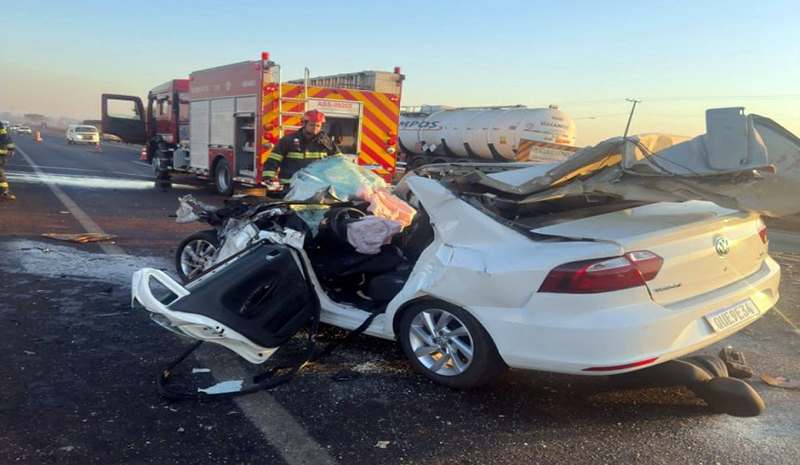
column 222, row 123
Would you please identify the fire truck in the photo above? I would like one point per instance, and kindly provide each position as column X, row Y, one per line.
column 222, row 123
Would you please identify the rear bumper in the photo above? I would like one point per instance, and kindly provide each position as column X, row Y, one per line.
column 573, row 336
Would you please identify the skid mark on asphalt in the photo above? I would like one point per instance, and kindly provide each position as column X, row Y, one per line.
column 282, row 431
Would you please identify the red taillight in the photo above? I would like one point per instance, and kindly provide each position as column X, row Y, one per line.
column 391, row 141
column 603, row 275
column 763, row 234
column 649, row 264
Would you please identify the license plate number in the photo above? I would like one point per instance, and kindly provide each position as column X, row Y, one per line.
column 733, row 316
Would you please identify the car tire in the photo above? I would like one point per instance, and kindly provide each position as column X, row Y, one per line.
column 223, row 178
column 448, row 345
column 194, row 252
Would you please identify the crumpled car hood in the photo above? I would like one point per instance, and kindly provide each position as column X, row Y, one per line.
column 749, row 163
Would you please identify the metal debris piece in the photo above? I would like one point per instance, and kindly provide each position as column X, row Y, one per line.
column 80, row 238
column 781, row 382
column 224, row 387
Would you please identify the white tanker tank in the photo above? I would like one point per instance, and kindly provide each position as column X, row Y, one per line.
column 437, row 134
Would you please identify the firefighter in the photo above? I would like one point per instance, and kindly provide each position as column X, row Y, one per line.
column 297, row 150
column 6, row 150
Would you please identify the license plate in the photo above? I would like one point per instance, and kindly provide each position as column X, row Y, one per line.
column 733, row 316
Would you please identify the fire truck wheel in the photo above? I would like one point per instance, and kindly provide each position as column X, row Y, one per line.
column 223, row 178
column 160, row 174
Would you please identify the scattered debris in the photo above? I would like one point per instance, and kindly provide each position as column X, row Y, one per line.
column 29, row 352
column 382, row 444
column 67, row 448
column 736, row 364
column 201, row 370
column 781, row 382
column 80, row 238
column 102, row 315
column 223, row 387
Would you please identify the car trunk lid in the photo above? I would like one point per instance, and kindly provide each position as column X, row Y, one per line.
column 704, row 246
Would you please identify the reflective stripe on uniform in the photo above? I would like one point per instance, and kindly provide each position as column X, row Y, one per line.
column 10, row 146
column 3, row 152
column 285, row 181
column 3, row 131
column 269, row 174
column 3, row 185
column 305, row 156
column 275, row 156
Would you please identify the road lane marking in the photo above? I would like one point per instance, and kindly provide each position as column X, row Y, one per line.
column 88, row 224
column 141, row 163
column 84, row 170
column 282, row 430
column 275, row 423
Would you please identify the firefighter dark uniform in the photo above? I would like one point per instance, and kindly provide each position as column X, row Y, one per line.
column 298, row 150
column 6, row 150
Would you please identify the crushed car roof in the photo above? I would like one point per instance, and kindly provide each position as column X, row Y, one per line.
column 744, row 162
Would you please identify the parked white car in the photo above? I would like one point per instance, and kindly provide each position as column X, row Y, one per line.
column 598, row 265
column 82, row 134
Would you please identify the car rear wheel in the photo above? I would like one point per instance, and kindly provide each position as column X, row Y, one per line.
column 448, row 345
column 223, row 178
column 194, row 253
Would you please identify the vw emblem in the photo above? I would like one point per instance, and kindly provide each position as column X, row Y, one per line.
column 722, row 246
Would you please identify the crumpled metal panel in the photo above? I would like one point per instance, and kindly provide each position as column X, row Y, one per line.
column 748, row 163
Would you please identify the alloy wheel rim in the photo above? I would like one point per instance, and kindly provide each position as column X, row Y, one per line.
column 441, row 342
column 195, row 256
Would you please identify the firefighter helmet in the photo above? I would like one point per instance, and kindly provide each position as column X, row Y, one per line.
column 314, row 116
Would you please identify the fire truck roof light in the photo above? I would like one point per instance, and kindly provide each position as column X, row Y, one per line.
column 265, row 56
column 397, row 70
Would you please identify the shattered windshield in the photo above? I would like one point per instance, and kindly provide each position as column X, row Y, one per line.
column 334, row 177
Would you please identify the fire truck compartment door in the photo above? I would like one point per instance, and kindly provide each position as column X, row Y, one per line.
column 123, row 116
column 198, row 134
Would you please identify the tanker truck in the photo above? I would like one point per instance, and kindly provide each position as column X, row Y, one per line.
column 439, row 134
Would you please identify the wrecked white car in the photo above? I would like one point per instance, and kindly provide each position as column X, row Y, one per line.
column 629, row 254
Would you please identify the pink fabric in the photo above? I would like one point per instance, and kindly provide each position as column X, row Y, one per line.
column 368, row 234
column 384, row 204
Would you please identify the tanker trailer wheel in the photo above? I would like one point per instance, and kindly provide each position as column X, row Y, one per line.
column 223, row 178
column 416, row 162
column 194, row 253
column 448, row 345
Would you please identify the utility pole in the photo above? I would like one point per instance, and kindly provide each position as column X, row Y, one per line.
column 630, row 117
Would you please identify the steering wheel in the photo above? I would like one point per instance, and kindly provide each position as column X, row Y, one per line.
column 339, row 220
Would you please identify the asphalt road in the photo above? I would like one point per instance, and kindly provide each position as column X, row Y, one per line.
column 78, row 364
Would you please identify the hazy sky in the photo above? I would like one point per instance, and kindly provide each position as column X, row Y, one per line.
column 678, row 57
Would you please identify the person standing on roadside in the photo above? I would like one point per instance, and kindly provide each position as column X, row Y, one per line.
column 6, row 150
